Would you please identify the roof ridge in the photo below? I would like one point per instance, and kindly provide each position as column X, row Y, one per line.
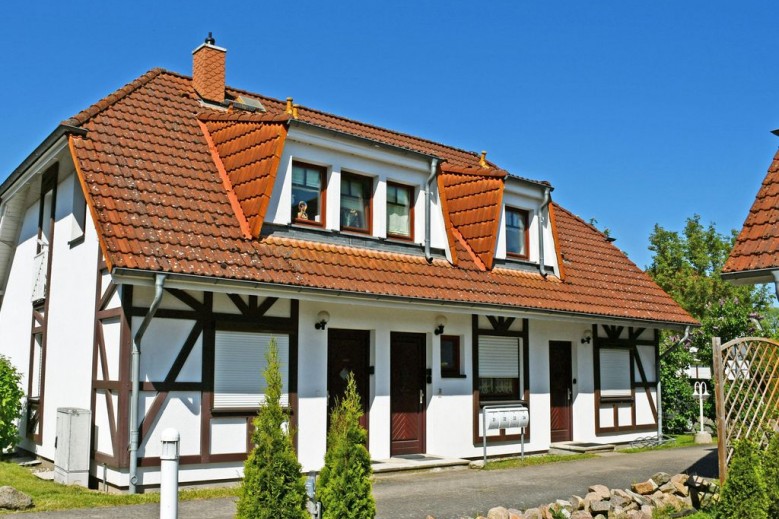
column 106, row 102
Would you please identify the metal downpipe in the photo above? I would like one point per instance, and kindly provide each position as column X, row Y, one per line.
column 433, row 172
column 136, row 383
column 776, row 283
column 660, row 385
column 544, row 205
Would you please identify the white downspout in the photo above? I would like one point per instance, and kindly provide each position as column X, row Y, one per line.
column 660, row 386
column 433, row 171
column 544, row 205
column 136, row 383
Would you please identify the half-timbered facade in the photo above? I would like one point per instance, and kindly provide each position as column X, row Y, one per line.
column 189, row 224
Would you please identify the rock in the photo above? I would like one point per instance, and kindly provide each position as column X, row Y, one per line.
column 645, row 487
column 620, row 493
column 577, row 503
column 676, row 502
column 679, row 478
column 667, row 488
column 600, row 507
column 601, row 491
column 581, row 514
column 680, row 488
column 589, row 498
column 562, row 504
column 638, row 514
column 515, row 514
column 600, row 516
column 661, row 478
column 12, row 499
column 533, row 513
column 620, row 501
column 476, row 464
column 498, row 513
column 637, row 498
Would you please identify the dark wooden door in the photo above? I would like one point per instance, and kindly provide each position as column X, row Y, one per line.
column 348, row 350
column 407, row 393
column 561, row 391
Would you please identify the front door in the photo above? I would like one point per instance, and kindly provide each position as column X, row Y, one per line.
column 407, row 393
column 560, row 389
column 348, row 351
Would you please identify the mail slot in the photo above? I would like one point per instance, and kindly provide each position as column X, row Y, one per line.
column 507, row 418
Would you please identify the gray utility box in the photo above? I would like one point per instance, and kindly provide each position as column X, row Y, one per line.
column 71, row 451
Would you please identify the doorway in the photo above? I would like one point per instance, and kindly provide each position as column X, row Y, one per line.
column 560, row 391
column 348, row 351
column 407, row 393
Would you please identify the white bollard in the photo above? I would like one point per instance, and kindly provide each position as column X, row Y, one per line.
column 169, row 475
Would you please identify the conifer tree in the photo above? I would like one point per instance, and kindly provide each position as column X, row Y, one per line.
column 273, row 487
column 771, row 470
column 744, row 492
column 345, row 488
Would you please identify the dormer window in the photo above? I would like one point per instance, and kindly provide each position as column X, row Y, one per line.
column 400, row 213
column 356, row 203
column 308, row 188
column 516, row 233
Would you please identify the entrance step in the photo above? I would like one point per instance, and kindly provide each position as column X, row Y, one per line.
column 415, row 462
column 583, row 447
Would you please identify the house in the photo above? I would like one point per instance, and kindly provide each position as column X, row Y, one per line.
column 755, row 255
column 153, row 245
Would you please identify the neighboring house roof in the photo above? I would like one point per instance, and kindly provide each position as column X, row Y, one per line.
column 756, row 252
column 166, row 181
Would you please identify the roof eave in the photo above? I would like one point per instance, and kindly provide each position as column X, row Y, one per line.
column 59, row 132
column 194, row 281
column 750, row 277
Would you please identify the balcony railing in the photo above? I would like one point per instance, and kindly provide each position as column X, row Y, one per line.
column 40, row 267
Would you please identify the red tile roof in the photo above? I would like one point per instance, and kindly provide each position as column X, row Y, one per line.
column 757, row 245
column 161, row 203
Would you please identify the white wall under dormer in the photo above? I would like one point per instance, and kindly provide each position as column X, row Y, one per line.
column 528, row 197
column 380, row 164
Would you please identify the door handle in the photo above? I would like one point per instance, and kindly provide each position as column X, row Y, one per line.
column 570, row 396
column 421, row 397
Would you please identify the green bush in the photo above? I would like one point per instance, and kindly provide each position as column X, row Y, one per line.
column 11, row 395
column 273, row 487
column 345, row 488
column 771, row 473
column 744, row 493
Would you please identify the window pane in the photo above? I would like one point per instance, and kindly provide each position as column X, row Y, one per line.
column 398, row 211
column 615, row 372
column 515, row 233
column 355, row 198
column 306, row 193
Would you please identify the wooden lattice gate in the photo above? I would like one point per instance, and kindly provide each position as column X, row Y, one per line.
column 746, row 374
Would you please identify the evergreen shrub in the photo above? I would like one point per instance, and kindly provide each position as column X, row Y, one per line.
column 11, row 395
column 771, row 473
column 273, row 487
column 345, row 488
column 744, row 493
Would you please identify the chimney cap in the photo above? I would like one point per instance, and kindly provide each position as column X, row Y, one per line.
column 210, row 40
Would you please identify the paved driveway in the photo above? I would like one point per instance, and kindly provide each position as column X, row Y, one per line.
column 458, row 493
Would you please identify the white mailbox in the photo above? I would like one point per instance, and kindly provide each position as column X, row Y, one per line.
column 506, row 416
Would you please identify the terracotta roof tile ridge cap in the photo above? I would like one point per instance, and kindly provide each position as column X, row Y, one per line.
column 492, row 172
column 355, row 121
column 109, row 100
column 475, row 257
column 237, row 117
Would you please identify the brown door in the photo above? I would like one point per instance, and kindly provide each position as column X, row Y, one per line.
column 407, row 393
column 560, row 389
column 347, row 350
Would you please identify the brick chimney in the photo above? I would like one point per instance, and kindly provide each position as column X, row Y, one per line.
column 208, row 71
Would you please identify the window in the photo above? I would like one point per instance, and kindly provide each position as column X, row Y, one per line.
column 500, row 368
column 400, row 211
column 239, row 360
column 516, row 233
column 450, row 356
column 308, row 188
column 615, row 372
column 356, row 203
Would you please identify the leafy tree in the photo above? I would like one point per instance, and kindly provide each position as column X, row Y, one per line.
column 744, row 493
column 10, row 404
column 273, row 487
column 687, row 266
column 345, row 488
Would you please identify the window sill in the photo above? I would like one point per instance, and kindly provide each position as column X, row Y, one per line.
column 76, row 241
column 453, row 375
column 616, row 399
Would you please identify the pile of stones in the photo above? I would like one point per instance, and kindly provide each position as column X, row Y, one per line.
column 660, row 492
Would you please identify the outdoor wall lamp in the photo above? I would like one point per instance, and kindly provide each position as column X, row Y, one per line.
column 321, row 320
column 440, row 322
column 587, row 336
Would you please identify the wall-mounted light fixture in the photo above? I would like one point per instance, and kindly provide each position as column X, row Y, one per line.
column 322, row 319
column 586, row 336
column 440, row 322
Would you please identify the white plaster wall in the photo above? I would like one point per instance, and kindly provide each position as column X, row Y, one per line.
column 150, row 476
column 180, row 411
column 362, row 160
column 161, row 345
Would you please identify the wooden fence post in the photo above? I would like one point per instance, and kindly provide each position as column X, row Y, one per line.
column 719, row 392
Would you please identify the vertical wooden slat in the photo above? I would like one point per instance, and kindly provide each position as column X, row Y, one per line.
column 719, row 392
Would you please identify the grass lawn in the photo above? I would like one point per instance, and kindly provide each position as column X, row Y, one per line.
column 512, row 463
column 47, row 495
column 682, row 440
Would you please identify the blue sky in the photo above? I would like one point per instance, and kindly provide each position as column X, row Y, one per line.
column 637, row 112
